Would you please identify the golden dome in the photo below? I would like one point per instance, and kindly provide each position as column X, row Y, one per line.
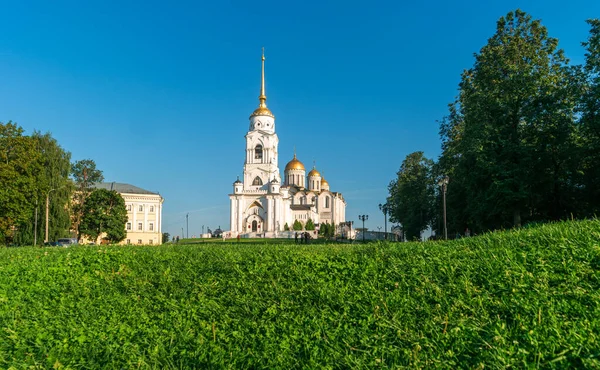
column 324, row 183
column 262, row 111
column 294, row 164
column 314, row 172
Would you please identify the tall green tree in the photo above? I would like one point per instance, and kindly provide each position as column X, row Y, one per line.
column 54, row 186
column 326, row 230
column 508, row 139
column 310, row 225
column 85, row 174
column 590, row 119
column 19, row 164
column 297, row 225
column 104, row 213
column 412, row 195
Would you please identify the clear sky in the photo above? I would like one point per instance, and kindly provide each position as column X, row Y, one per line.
column 158, row 93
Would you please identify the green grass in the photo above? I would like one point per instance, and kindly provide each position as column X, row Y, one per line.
column 525, row 299
column 233, row 241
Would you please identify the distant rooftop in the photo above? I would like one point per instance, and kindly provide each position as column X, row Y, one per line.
column 120, row 187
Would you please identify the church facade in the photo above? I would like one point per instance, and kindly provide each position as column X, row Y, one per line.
column 264, row 202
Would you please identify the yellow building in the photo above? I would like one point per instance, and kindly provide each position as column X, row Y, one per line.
column 144, row 213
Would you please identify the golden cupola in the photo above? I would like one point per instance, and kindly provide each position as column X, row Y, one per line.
column 314, row 173
column 294, row 164
column 324, row 184
column 262, row 109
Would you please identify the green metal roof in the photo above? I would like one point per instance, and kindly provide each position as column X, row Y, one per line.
column 122, row 188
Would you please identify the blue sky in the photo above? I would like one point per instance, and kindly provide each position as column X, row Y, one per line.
column 159, row 93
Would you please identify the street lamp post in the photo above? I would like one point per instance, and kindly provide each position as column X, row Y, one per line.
column 47, row 212
column 444, row 184
column 35, row 226
column 384, row 209
column 363, row 218
column 187, row 226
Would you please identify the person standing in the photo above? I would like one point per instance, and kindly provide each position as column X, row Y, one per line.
column 296, row 237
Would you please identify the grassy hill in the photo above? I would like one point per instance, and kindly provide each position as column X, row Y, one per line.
column 524, row 298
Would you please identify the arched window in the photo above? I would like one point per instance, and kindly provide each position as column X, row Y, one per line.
column 257, row 181
column 258, row 152
column 327, row 202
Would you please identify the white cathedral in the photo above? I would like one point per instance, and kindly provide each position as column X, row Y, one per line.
column 263, row 204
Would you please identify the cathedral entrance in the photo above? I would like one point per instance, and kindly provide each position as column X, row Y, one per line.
column 255, row 224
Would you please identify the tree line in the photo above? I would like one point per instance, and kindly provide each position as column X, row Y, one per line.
column 520, row 143
column 40, row 186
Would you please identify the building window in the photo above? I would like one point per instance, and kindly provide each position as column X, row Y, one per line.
column 151, row 226
column 139, row 241
column 150, row 241
column 140, row 227
column 129, row 226
column 141, row 208
column 128, row 241
column 257, row 181
column 151, row 208
column 327, row 202
column 258, row 152
column 129, row 208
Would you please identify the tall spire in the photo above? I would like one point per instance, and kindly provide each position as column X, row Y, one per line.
column 262, row 109
column 263, row 97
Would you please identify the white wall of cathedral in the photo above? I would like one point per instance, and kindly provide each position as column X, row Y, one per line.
column 314, row 183
column 272, row 212
column 326, row 207
column 261, row 160
column 269, row 143
column 262, row 123
column 295, row 177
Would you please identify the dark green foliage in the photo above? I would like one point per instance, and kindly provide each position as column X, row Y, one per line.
column 521, row 299
column 19, row 165
column 590, row 119
column 297, row 225
column 286, row 227
column 412, row 195
column 326, row 230
column 104, row 212
column 310, row 225
column 54, row 184
column 510, row 142
column 165, row 237
column 34, row 168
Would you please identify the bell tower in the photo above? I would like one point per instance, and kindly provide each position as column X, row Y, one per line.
column 260, row 167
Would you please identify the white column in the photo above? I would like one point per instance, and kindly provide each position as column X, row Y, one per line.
column 135, row 210
column 232, row 212
column 275, row 213
column 159, row 218
column 240, row 216
column 333, row 206
column 267, row 225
